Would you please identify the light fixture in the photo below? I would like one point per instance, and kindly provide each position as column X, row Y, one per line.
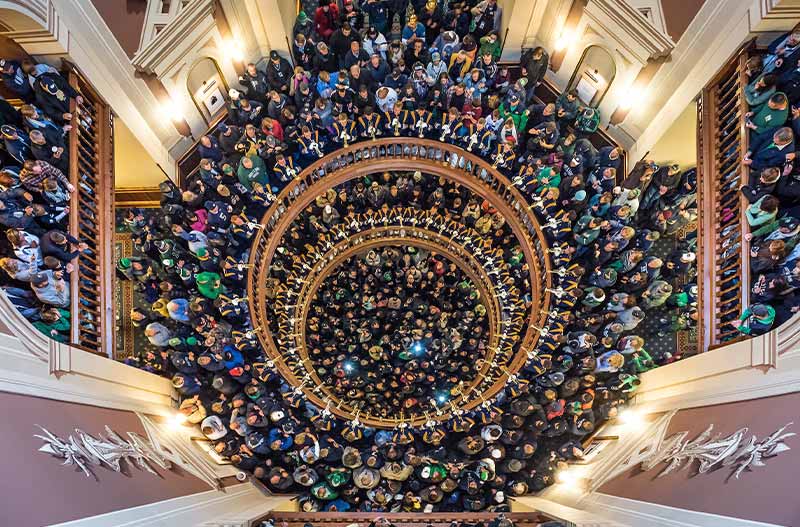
column 173, row 110
column 632, row 97
column 564, row 40
column 632, row 419
column 233, row 50
column 177, row 420
column 348, row 367
column 569, row 477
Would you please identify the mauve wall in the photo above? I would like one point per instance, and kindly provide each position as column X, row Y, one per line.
column 767, row 494
column 678, row 14
column 125, row 19
column 36, row 490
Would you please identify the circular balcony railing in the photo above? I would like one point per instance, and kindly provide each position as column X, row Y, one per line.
column 287, row 349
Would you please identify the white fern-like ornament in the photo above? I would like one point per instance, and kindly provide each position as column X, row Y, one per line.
column 709, row 453
column 109, row 450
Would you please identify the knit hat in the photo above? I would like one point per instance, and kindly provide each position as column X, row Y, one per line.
column 302, row 17
column 124, row 263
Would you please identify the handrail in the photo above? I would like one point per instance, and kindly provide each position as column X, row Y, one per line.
column 91, row 219
column 400, row 519
column 381, row 237
column 723, row 252
column 433, row 157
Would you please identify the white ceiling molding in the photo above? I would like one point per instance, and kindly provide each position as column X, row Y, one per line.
column 630, row 29
column 234, row 506
column 176, row 39
column 33, row 364
column 644, row 514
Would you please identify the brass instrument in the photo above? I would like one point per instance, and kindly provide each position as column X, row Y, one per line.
column 421, row 125
column 445, row 132
column 396, row 126
column 473, row 140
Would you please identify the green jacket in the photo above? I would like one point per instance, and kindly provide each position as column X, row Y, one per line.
column 493, row 48
column 56, row 329
column 209, row 284
column 588, row 125
column 258, row 173
column 517, row 115
column 765, row 117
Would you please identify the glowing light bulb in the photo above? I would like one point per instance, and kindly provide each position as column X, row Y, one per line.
column 178, row 420
column 564, row 40
column 234, row 50
column 631, row 419
column 348, row 367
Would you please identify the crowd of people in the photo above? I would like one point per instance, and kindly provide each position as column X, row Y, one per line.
column 407, row 308
column 37, row 249
column 773, row 191
column 399, row 330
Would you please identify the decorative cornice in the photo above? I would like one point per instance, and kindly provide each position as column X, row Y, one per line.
column 636, row 29
column 173, row 36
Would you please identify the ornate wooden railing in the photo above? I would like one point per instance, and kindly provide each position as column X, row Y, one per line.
column 91, row 219
column 723, row 251
column 408, row 154
column 399, row 519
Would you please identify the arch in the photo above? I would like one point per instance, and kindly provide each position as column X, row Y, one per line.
column 207, row 87
column 594, row 74
column 19, row 16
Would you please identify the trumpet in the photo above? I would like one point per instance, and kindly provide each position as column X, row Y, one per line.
column 396, row 126
column 498, row 159
column 291, row 173
column 421, row 126
column 445, row 132
column 371, row 132
column 345, row 137
column 473, row 140
column 314, row 147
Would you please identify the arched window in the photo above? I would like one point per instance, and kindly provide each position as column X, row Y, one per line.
column 593, row 75
column 207, row 88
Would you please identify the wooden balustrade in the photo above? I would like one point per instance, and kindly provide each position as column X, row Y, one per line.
column 406, row 153
column 91, row 219
column 723, row 252
column 398, row 519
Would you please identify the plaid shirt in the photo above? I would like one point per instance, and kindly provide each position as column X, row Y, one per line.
column 33, row 181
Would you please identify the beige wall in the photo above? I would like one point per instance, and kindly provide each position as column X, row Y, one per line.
column 133, row 166
column 679, row 142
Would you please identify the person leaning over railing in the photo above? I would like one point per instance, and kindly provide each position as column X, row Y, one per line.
column 34, row 197
column 773, row 190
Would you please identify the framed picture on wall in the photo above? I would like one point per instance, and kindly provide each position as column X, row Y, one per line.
column 586, row 90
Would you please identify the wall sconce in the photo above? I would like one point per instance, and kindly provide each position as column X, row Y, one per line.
column 564, row 40
column 233, row 50
column 631, row 97
column 632, row 420
column 177, row 421
column 173, row 110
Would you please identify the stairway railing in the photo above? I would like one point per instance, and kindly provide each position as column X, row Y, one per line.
column 723, row 254
column 91, row 219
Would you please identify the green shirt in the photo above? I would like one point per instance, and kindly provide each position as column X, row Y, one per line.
column 258, row 173
column 209, row 284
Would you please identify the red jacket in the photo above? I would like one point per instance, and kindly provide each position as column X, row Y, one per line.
column 325, row 23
